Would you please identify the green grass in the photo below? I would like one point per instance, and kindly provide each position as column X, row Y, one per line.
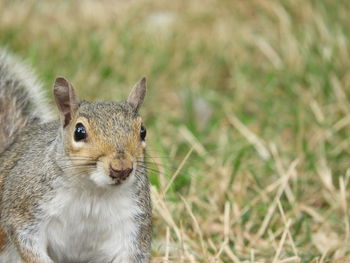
column 256, row 92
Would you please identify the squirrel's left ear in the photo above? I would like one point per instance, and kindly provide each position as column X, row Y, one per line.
column 65, row 99
column 137, row 94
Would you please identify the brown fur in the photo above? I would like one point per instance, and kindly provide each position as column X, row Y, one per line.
column 29, row 257
column 3, row 240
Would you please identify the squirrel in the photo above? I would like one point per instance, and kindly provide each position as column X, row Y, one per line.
column 74, row 189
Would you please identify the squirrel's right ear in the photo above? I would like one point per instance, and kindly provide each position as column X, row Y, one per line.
column 65, row 99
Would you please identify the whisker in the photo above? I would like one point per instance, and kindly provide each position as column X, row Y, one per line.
column 165, row 166
column 146, row 167
column 151, row 169
column 79, row 158
column 154, row 171
column 157, row 157
column 66, row 167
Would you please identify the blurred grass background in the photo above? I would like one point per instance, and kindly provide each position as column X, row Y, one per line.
column 248, row 114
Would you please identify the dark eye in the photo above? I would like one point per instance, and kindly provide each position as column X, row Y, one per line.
column 80, row 132
column 143, row 132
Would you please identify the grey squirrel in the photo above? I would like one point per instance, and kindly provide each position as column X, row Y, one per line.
column 74, row 189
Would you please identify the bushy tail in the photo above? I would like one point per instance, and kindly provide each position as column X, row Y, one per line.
column 21, row 98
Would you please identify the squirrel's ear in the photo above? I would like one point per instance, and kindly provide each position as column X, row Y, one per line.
column 137, row 94
column 65, row 99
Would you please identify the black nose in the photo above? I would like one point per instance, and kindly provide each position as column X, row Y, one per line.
column 120, row 174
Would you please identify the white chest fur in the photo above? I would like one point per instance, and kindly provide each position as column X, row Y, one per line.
column 92, row 226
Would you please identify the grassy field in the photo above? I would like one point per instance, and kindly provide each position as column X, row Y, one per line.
column 248, row 114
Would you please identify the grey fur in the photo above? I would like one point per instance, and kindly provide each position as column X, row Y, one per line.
column 21, row 98
column 34, row 165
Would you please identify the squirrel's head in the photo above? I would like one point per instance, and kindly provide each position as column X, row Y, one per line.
column 103, row 141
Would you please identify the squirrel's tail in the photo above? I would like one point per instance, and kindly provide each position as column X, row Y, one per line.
column 21, row 98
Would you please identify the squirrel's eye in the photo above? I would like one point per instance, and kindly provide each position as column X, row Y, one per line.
column 80, row 132
column 143, row 132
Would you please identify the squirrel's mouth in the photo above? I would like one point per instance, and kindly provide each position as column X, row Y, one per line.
column 120, row 180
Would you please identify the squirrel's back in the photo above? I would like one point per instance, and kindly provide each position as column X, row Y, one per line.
column 21, row 98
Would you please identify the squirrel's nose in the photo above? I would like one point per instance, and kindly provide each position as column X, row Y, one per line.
column 119, row 174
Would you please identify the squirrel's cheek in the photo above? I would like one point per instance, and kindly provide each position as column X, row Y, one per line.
column 76, row 146
column 143, row 144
